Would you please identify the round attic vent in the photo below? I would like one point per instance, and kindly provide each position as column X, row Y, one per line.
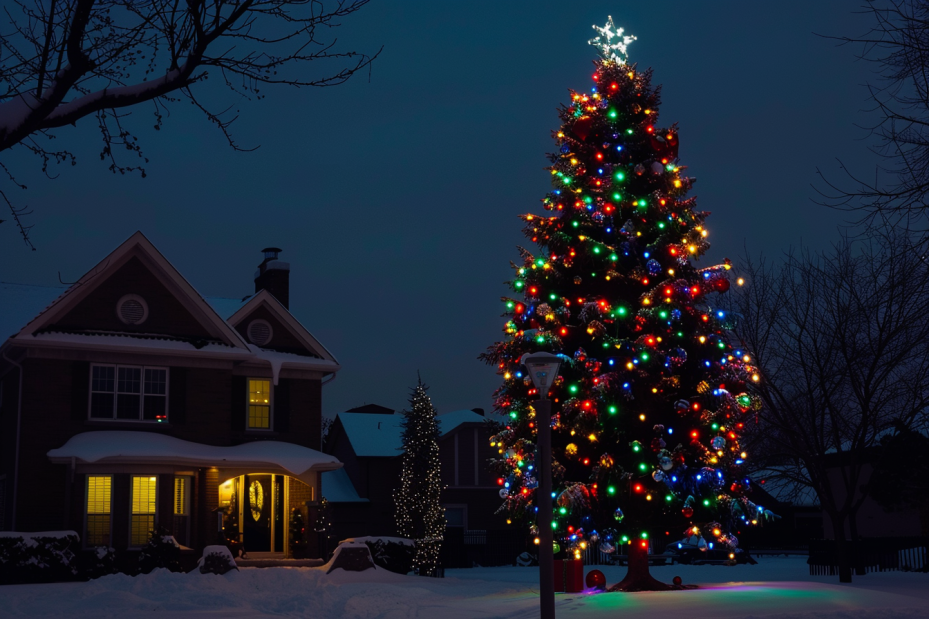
column 259, row 332
column 132, row 309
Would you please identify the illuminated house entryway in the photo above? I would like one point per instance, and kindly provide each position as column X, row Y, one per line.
column 257, row 510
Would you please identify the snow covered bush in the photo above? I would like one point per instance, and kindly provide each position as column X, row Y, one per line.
column 217, row 560
column 97, row 562
column 38, row 557
column 162, row 550
column 391, row 553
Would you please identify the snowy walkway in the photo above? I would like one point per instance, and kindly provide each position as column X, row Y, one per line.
column 776, row 587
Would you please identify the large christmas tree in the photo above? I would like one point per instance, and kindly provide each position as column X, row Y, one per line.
column 650, row 400
column 419, row 512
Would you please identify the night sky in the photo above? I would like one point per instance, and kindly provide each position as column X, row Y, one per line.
column 395, row 199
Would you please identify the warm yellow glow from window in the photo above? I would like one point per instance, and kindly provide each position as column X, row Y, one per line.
column 98, row 510
column 144, row 496
column 180, row 496
column 259, row 404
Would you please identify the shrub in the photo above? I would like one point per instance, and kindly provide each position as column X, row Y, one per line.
column 217, row 560
column 161, row 551
column 38, row 557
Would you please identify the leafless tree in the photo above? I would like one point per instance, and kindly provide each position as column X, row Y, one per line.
column 898, row 47
column 842, row 340
column 64, row 60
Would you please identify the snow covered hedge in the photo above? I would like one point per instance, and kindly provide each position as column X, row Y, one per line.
column 49, row 556
column 391, row 553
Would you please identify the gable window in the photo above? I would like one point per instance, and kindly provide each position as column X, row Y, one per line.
column 132, row 393
column 97, row 529
column 143, row 509
column 132, row 309
column 259, row 404
column 260, row 332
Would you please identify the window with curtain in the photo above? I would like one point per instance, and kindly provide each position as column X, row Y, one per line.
column 99, row 494
column 144, row 498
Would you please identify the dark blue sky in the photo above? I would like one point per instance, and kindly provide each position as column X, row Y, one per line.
column 395, row 199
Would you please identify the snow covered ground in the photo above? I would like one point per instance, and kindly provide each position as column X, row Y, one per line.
column 776, row 587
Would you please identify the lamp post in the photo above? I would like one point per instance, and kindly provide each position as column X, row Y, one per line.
column 543, row 369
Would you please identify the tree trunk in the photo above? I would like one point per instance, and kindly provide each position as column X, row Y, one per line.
column 842, row 549
column 855, row 546
column 637, row 577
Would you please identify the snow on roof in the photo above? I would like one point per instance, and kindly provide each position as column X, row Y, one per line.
column 338, row 488
column 380, row 436
column 20, row 303
column 131, row 340
column 277, row 359
column 123, row 446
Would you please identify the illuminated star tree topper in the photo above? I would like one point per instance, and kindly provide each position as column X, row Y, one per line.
column 611, row 43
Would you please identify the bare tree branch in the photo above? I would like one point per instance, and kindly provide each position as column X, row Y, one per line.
column 64, row 60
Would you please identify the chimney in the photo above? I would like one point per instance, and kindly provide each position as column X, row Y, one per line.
column 274, row 276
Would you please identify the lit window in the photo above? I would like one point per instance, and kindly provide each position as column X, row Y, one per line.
column 259, row 404
column 98, row 510
column 180, row 496
column 129, row 393
column 143, row 509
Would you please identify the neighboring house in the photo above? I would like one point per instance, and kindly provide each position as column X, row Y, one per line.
column 872, row 519
column 368, row 441
column 127, row 399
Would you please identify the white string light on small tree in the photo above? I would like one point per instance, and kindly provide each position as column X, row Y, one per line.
column 419, row 513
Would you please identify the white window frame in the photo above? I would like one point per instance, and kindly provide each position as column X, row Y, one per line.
column 131, row 513
column 248, row 403
column 116, row 392
column 87, row 514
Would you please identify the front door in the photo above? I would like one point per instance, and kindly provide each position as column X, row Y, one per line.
column 258, row 498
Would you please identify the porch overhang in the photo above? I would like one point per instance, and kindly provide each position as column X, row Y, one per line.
column 122, row 447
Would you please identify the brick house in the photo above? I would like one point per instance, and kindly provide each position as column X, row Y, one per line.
column 128, row 399
column 368, row 441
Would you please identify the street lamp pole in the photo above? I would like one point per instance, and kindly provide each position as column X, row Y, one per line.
column 543, row 369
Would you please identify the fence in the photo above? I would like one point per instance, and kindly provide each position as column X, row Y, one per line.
column 482, row 548
column 871, row 555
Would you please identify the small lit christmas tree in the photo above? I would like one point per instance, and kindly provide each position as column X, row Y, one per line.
column 649, row 402
column 297, row 534
column 419, row 513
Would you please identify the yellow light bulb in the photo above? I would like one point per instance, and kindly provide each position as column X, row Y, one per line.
column 702, row 339
column 642, row 417
column 648, row 497
column 740, row 281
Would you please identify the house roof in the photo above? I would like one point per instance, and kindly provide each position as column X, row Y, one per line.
column 127, row 447
column 267, row 300
column 380, row 436
column 136, row 246
column 27, row 312
column 338, row 488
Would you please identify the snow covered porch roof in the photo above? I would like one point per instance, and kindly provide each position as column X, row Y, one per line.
column 127, row 447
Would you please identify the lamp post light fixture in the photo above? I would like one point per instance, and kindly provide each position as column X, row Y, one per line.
column 543, row 370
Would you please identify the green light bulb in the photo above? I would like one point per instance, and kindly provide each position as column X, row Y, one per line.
column 620, row 176
column 611, row 490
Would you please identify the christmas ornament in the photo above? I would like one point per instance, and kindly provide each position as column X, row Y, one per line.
column 618, row 515
column 582, row 127
column 677, row 580
column 718, row 443
column 595, row 580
